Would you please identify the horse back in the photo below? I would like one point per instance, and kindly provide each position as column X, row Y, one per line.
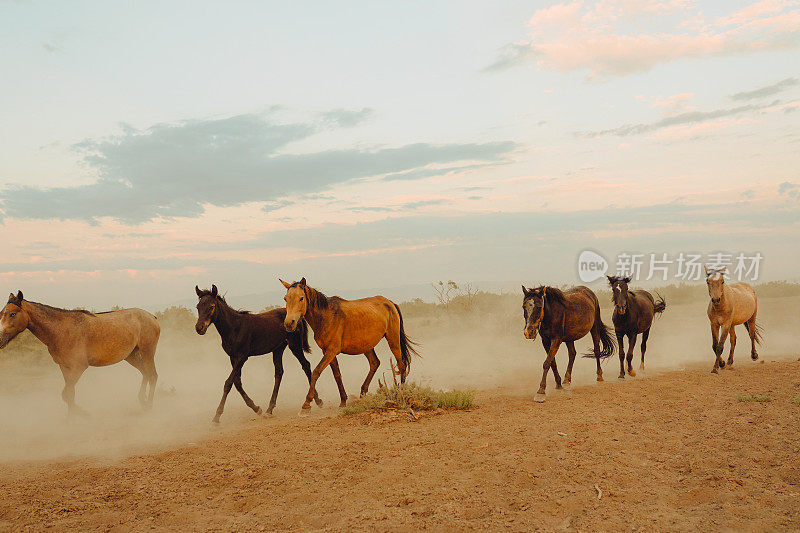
column 363, row 322
column 111, row 336
column 578, row 314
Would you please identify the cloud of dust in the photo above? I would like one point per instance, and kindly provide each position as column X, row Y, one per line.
column 482, row 349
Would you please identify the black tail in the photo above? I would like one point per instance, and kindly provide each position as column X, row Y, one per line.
column 660, row 304
column 759, row 331
column 606, row 338
column 406, row 344
column 302, row 330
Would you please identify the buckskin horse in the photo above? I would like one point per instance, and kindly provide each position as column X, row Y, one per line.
column 564, row 316
column 348, row 326
column 245, row 335
column 78, row 339
column 633, row 314
column 731, row 304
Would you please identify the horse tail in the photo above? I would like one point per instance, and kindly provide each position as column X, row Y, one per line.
column 606, row 338
column 406, row 344
column 660, row 305
column 302, row 329
column 759, row 330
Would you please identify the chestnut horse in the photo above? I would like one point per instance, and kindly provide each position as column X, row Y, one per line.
column 564, row 316
column 633, row 314
column 244, row 335
column 78, row 339
column 730, row 305
column 348, row 326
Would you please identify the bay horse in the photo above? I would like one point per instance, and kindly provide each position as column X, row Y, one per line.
column 730, row 305
column 634, row 311
column 564, row 316
column 78, row 339
column 348, row 326
column 245, row 335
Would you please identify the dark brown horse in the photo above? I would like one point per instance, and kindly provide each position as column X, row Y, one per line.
column 348, row 326
column 78, row 339
column 564, row 317
column 245, row 335
column 633, row 314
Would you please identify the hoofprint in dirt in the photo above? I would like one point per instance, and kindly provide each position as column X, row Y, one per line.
column 676, row 452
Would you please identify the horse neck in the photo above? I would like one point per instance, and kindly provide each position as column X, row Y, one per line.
column 45, row 323
column 315, row 316
column 225, row 319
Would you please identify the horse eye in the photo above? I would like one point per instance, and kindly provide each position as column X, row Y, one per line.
column 301, row 298
column 13, row 315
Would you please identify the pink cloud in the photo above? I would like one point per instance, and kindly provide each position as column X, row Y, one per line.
column 589, row 35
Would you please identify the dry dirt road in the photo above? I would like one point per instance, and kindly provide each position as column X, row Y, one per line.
column 675, row 452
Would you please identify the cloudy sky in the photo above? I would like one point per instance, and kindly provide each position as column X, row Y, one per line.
column 150, row 146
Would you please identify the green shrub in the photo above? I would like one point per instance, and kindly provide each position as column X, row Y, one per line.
column 753, row 398
column 410, row 396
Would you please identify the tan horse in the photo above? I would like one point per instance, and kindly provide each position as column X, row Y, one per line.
column 347, row 326
column 731, row 304
column 79, row 339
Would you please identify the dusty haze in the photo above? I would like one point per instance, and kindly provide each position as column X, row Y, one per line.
column 482, row 348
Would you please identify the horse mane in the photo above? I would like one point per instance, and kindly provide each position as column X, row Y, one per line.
column 51, row 309
column 221, row 298
column 320, row 300
column 554, row 295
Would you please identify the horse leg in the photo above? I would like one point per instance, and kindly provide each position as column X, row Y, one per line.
column 548, row 362
column 733, row 346
column 71, row 376
column 135, row 360
column 751, row 329
column 714, row 341
column 620, row 339
column 237, row 382
column 277, row 360
column 225, row 390
column 337, row 375
column 149, row 364
column 596, row 342
column 394, row 344
column 327, row 357
column 556, row 375
column 572, row 353
column 297, row 351
column 629, row 358
column 645, row 336
column 723, row 334
column 374, row 363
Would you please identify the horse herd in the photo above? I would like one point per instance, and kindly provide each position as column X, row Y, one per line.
column 77, row 339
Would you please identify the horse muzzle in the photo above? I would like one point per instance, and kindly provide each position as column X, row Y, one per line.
column 715, row 301
column 202, row 327
column 290, row 325
column 530, row 333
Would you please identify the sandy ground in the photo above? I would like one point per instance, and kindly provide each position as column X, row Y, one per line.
column 671, row 452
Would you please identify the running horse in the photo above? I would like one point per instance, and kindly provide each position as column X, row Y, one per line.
column 348, row 326
column 564, row 316
column 634, row 311
column 731, row 304
column 245, row 334
column 78, row 339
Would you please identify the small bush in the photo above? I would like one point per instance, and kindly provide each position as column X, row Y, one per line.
column 753, row 398
column 410, row 396
column 796, row 401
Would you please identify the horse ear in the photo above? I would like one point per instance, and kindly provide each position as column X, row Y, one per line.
column 11, row 297
column 524, row 290
column 285, row 285
column 723, row 271
column 19, row 295
column 627, row 279
column 706, row 267
column 214, row 291
column 303, row 281
column 198, row 291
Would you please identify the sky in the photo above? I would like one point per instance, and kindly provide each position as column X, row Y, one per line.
column 147, row 147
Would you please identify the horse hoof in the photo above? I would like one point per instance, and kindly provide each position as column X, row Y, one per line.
column 621, row 376
column 599, row 379
column 258, row 411
column 303, row 413
column 320, row 403
column 215, row 420
column 722, row 364
column 632, row 373
column 714, row 371
column 538, row 397
column 566, row 384
column 641, row 366
column 754, row 357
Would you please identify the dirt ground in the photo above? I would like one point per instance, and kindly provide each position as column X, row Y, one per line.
column 674, row 452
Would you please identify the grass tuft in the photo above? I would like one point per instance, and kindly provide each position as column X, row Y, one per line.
column 796, row 401
column 410, row 396
column 753, row 398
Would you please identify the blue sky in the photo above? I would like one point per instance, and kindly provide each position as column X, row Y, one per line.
column 147, row 147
